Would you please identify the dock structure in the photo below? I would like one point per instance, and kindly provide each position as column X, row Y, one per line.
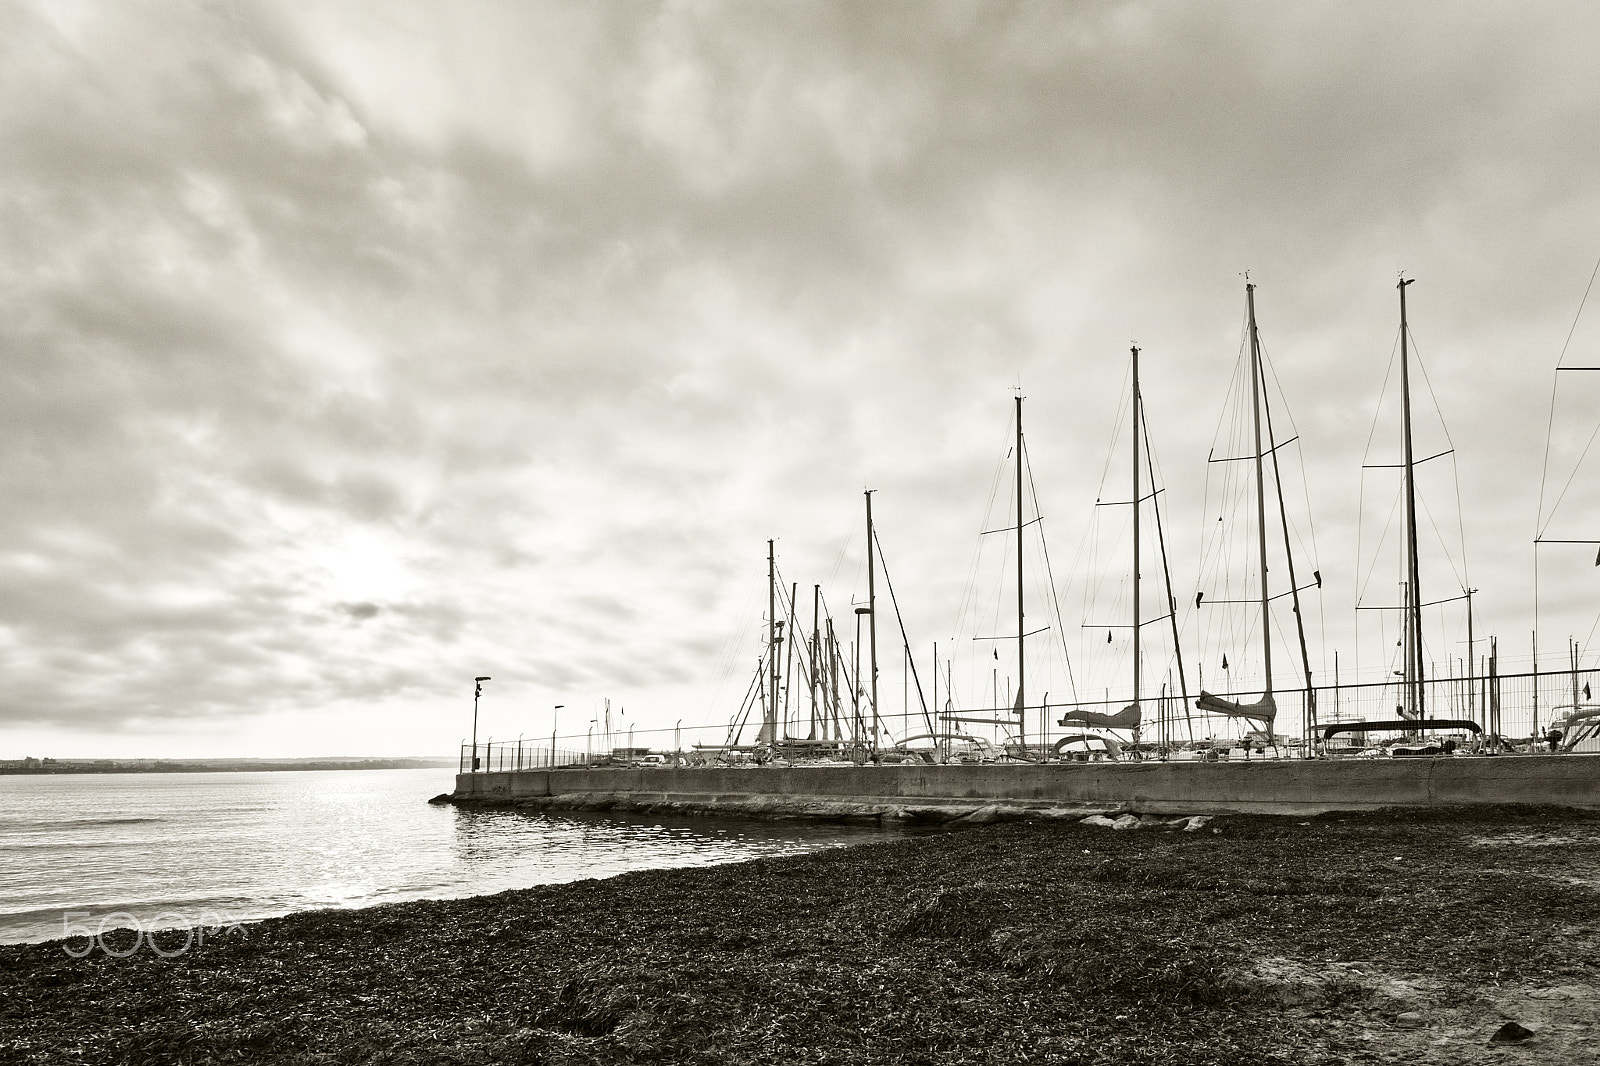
column 953, row 792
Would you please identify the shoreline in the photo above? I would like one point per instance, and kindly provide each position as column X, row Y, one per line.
column 70, row 767
column 1253, row 939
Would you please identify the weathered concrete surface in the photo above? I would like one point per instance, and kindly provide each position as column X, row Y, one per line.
column 939, row 793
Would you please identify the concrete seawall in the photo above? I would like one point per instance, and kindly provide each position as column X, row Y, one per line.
column 944, row 792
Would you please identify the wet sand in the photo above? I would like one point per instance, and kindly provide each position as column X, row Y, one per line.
column 1406, row 937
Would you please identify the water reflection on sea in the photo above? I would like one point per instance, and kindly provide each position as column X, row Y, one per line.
column 162, row 850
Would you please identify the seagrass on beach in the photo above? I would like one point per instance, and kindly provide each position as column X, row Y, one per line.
column 1385, row 936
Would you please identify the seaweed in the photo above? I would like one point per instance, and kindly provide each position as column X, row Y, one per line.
column 1273, row 940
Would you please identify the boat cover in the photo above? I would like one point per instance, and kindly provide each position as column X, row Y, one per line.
column 1263, row 710
column 1127, row 718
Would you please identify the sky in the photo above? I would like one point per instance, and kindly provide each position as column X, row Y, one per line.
column 350, row 351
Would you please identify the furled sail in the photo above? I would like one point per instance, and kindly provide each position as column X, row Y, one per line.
column 1263, row 710
column 1127, row 718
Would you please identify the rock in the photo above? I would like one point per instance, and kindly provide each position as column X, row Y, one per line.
column 1409, row 1020
column 1511, row 1033
column 442, row 798
column 984, row 815
column 1127, row 821
column 1196, row 822
column 1099, row 820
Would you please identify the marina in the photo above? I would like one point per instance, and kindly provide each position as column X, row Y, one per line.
column 1469, row 736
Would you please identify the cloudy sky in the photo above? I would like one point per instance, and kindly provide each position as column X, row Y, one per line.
column 350, row 350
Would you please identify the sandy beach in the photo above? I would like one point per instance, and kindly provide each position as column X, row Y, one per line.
column 1382, row 937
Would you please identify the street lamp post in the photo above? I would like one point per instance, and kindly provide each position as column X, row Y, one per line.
column 553, row 718
column 477, row 690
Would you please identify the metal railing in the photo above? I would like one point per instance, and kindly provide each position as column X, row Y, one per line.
column 1513, row 710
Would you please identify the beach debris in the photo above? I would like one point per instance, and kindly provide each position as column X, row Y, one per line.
column 1408, row 1019
column 1187, row 823
column 984, row 815
column 1511, row 1033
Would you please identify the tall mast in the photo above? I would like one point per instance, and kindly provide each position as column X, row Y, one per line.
column 872, row 623
column 789, row 694
column 1414, row 672
column 815, row 658
column 1261, row 492
column 1472, row 682
column 1022, row 662
column 1136, row 656
column 833, row 683
column 769, row 730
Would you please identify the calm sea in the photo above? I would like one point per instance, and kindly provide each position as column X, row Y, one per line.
column 169, row 850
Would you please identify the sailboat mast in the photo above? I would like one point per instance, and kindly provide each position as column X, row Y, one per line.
column 1261, row 492
column 833, row 683
column 1137, row 678
column 814, row 659
column 1022, row 662
column 872, row 622
column 768, row 723
column 1414, row 673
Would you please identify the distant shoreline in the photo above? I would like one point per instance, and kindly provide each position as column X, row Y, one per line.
column 213, row 766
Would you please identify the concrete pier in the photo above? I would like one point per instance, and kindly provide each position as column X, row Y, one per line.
column 946, row 792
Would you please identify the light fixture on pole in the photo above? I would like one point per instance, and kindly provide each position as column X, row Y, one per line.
column 477, row 690
column 553, row 717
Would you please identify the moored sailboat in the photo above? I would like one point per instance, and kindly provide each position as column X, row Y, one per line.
column 1131, row 717
column 1262, row 713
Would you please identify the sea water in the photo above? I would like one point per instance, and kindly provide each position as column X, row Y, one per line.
column 87, row 852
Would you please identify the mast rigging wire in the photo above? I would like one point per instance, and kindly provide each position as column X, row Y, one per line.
column 1538, row 525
